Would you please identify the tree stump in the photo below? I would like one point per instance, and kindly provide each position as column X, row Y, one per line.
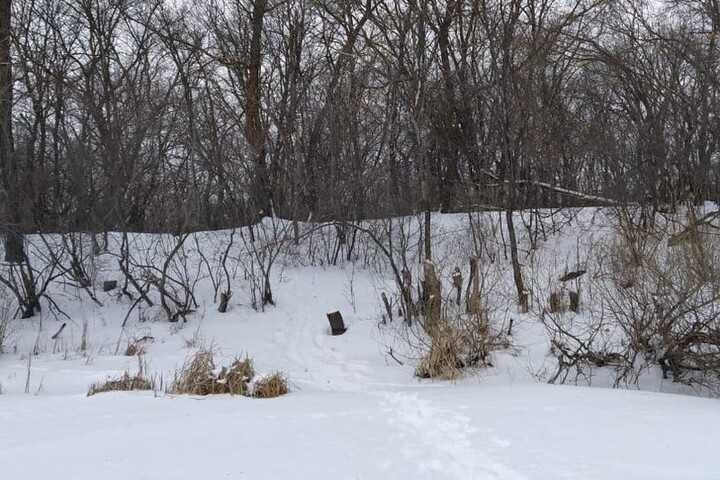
column 388, row 308
column 410, row 310
column 556, row 302
column 432, row 301
column 472, row 294
column 573, row 275
column 575, row 302
column 337, row 325
column 457, row 283
column 224, row 299
column 524, row 302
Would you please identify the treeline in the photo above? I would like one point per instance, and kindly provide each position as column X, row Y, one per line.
column 157, row 115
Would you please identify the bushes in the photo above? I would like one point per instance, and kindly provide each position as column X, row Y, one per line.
column 448, row 324
column 200, row 377
column 650, row 307
column 452, row 335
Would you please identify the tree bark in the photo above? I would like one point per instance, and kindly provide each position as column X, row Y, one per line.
column 517, row 270
column 254, row 131
column 14, row 249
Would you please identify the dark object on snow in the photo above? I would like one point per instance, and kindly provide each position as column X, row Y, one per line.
column 524, row 302
column 59, row 332
column 556, row 305
column 572, row 275
column 336, row 323
column 575, row 302
column 388, row 308
column 109, row 285
column 224, row 299
column 457, row 283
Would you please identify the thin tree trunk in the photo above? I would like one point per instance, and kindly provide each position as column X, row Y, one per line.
column 517, row 270
column 427, row 232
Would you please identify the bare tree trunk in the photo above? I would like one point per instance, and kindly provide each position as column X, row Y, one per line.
column 431, row 297
column 427, row 232
column 517, row 270
column 254, row 131
column 14, row 250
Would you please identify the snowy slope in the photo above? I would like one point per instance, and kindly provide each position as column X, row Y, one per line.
column 353, row 412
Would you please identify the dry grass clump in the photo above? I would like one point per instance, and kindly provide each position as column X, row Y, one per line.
column 134, row 349
column 271, row 386
column 237, row 376
column 443, row 360
column 199, row 377
column 136, row 346
column 457, row 344
column 125, row 383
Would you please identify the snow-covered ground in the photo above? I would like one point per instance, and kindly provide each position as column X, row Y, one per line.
column 353, row 412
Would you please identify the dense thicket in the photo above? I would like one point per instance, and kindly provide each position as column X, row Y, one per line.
column 164, row 115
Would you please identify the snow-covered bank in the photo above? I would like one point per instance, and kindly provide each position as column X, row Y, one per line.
column 353, row 411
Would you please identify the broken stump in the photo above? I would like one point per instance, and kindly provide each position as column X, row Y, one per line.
column 472, row 293
column 572, row 275
column 388, row 308
column 337, row 325
column 431, row 299
column 575, row 302
column 524, row 302
column 556, row 305
column 224, row 299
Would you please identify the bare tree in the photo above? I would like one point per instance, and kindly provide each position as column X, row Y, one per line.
column 9, row 169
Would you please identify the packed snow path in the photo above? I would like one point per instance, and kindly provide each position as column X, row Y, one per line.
column 429, row 437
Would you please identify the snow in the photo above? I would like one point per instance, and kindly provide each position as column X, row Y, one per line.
column 352, row 413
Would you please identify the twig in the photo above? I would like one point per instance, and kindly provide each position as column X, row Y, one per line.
column 392, row 355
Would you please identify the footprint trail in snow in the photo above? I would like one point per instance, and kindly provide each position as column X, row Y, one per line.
column 445, row 436
column 441, row 444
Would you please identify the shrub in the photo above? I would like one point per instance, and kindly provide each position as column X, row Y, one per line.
column 652, row 307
